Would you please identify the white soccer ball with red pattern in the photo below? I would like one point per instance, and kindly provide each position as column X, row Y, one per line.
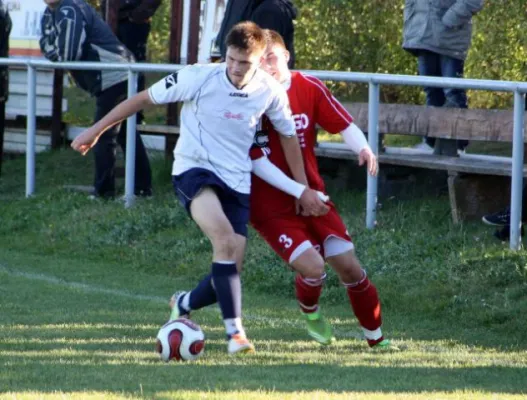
column 181, row 340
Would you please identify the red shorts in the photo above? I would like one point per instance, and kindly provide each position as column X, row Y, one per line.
column 286, row 234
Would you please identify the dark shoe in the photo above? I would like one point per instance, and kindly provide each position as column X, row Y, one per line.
column 144, row 193
column 104, row 196
column 500, row 218
column 446, row 147
column 504, row 233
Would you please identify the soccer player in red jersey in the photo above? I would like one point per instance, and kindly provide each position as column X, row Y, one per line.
column 306, row 243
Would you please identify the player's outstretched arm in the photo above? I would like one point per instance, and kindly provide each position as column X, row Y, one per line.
column 88, row 138
column 356, row 141
column 274, row 176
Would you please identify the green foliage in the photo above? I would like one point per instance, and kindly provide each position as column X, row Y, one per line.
column 366, row 37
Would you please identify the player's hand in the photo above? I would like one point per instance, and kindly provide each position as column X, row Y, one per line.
column 310, row 203
column 85, row 141
column 367, row 156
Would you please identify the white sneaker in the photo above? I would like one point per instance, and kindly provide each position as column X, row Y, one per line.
column 239, row 344
column 423, row 147
column 174, row 305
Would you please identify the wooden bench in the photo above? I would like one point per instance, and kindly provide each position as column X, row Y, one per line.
column 476, row 184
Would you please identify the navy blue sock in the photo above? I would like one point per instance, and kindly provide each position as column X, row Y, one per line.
column 203, row 294
column 228, row 289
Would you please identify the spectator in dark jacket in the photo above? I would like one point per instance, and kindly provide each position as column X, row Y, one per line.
column 5, row 30
column 134, row 20
column 277, row 15
column 133, row 27
column 438, row 33
column 73, row 31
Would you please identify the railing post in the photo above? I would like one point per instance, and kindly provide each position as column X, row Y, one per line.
column 31, row 128
column 373, row 140
column 517, row 171
column 131, row 127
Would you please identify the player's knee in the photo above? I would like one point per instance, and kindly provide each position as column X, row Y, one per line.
column 350, row 272
column 225, row 245
column 310, row 268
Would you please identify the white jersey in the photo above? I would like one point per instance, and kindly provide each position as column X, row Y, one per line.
column 219, row 121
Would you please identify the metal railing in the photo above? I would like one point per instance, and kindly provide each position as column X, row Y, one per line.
column 373, row 80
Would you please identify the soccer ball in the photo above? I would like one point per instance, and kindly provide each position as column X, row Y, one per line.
column 181, row 340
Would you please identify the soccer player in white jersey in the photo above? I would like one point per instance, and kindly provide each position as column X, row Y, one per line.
column 222, row 105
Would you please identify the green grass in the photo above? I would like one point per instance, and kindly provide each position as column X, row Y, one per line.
column 84, row 284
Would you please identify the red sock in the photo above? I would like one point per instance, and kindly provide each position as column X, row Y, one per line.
column 308, row 292
column 367, row 308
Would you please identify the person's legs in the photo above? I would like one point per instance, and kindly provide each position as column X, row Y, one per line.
column 222, row 215
column 143, row 172
column 429, row 64
column 2, row 126
column 361, row 292
column 457, row 98
column 104, row 150
column 204, row 294
column 309, row 281
column 291, row 241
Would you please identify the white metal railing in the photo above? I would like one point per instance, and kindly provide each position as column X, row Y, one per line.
column 372, row 79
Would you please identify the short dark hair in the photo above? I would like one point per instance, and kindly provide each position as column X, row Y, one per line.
column 274, row 38
column 246, row 36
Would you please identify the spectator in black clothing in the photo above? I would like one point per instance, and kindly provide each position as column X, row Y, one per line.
column 5, row 30
column 73, row 31
column 133, row 28
column 277, row 15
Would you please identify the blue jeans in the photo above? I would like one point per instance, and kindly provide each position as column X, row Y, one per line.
column 434, row 64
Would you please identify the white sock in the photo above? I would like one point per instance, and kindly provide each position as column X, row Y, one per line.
column 372, row 335
column 233, row 325
column 185, row 302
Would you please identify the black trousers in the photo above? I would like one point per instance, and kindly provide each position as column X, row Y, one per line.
column 105, row 149
column 2, row 126
column 135, row 37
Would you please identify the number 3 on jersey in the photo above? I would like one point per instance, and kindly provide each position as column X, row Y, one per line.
column 286, row 241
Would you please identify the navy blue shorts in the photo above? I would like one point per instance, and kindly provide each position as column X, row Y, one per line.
column 235, row 204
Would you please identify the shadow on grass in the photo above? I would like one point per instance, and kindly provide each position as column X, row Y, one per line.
column 46, row 375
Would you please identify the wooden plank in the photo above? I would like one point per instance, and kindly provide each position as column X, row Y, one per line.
column 13, row 137
column 17, row 105
column 448, row 123
column 429, row 161
column 21, row 88
column 15, row 147
column 158, row 129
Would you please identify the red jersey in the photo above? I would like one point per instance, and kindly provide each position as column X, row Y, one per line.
column 312, row 105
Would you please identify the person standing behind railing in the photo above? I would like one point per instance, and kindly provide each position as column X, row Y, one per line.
column 133, row 27
column 5, row 30
column 439, row 33
column 73, row 31
column 277, row 15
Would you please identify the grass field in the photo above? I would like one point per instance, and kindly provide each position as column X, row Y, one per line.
column 84, row 286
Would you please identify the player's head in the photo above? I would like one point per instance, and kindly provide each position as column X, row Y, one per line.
column 276, row 56
column 245, row 50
